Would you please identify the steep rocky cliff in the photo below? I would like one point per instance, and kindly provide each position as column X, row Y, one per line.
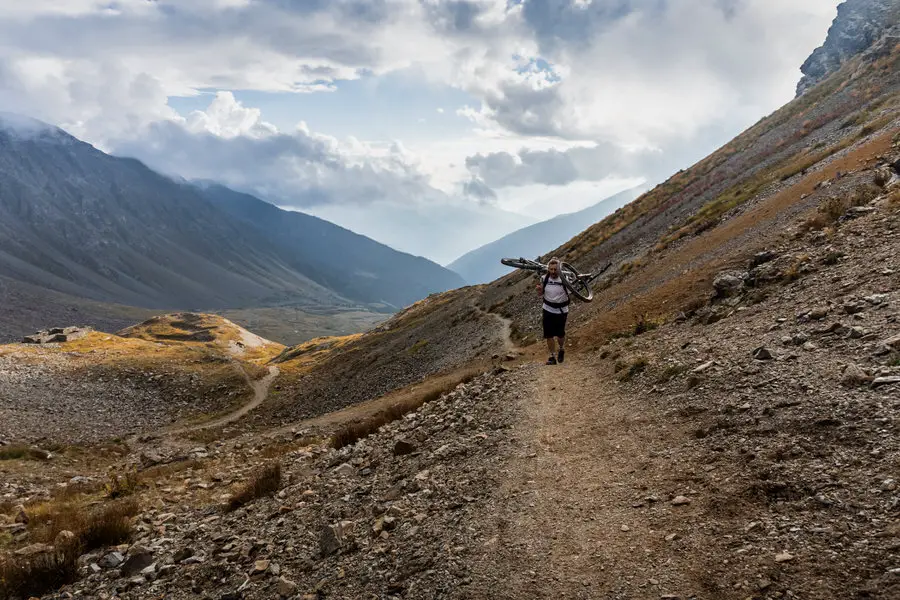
column 858, row 26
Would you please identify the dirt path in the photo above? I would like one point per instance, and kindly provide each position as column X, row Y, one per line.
column 585, row 511
column 260, row 389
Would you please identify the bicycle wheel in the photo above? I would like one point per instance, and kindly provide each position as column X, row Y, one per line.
column 575, row 283
column 521, row 263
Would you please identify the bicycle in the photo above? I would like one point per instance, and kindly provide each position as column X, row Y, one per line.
column 576, row 283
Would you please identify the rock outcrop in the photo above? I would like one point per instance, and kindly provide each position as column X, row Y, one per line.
column 857, row 27
column 57, row 334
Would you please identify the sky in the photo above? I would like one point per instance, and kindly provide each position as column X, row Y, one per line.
column 434, row 126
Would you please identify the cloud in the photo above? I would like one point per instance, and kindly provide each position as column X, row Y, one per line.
column 585, row 89
column 230, row 143
column 650, row 72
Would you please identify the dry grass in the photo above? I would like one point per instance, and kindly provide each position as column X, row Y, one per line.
column 352, row 432
column 39, row 574
column 119, row 486
column 635, row 368
column 670, row 373
column 894, row 199
column 107, row 525
column 21, row 451
column 35, row 575
column 264, row 482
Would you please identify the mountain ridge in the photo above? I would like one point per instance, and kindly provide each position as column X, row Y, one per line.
column 109, row 229
column 482, row 264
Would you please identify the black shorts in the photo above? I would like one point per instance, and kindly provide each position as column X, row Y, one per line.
column 554, row 324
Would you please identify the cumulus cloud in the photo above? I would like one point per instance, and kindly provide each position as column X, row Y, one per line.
column 230, row 143
column 649, row 72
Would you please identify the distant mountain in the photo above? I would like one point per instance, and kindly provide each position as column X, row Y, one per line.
column 351, row 264
column 89, row 225
column 483, row 264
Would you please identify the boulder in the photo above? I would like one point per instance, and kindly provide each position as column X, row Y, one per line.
column 137, row 562
column 729, row 283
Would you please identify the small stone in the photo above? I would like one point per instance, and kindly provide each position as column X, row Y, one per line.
column 111, row 560
column 680, row 500
column 854, row 375
column 21, row 515
column 344, row 470
column 893, row 342
column 876, row 299
column 671, row 537
column 403, row 447
column 819, row 313
column 856, row 333
column 728, row 284
column 625, row 528
column 852, row 308
column 889, row 485
column 882, row 381
column 64, row 538
column 703, row 367
column 136, row 563
column 784, row 557
column 32, row 549
column 183, row 554
column 259, row 567
column 762, row 353
column 329, row 540
column 149, row 572
column 286, row 587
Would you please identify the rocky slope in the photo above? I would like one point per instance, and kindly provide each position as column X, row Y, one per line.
column 724, row 425
column 858, row 26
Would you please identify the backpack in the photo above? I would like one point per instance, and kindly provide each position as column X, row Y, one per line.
column 544, row 280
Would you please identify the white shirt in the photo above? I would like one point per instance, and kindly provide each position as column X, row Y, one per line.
column 555, row 292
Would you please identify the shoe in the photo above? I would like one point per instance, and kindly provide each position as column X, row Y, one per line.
column 551, row 360
column 562, row 356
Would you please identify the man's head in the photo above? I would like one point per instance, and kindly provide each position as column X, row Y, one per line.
column 553, row 267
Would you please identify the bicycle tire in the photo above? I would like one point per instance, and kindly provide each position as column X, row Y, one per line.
column 577, row 285
column 520, row 263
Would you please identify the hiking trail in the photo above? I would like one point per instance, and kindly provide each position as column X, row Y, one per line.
column 260, row 389
column 581, row 516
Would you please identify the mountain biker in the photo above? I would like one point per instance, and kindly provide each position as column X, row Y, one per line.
column 555, row 311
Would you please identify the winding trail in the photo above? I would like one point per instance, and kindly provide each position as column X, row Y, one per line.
column 506, row 328
column 260, row 389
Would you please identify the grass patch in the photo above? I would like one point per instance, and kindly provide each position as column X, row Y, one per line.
column 417, row 347
column 264, row 482
column 39, row 574
column 636, row 367
column 21, row 452
column 119, row 486
column 643, row 325
column 670, row 373
column 353, row 432
column 894, row 199
column 107, row 525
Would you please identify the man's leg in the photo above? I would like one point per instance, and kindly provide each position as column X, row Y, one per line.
column 551, row 345
column 562, row 348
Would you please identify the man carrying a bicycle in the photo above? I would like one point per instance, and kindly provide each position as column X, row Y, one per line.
column 555, row 311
